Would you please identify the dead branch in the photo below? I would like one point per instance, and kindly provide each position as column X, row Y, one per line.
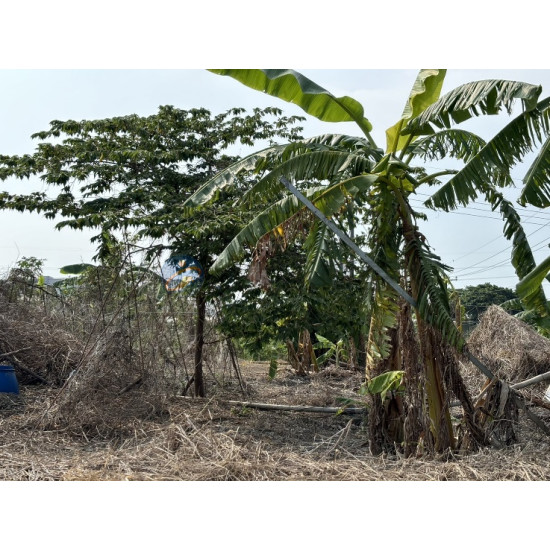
column 32, row 373
column 18, row 365
column 7, row 354
column 133, row 384
column 531, row 415
column 533, row 399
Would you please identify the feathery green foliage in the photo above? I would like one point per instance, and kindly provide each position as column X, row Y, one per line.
column 328, row 200
column 226, row 177
column 455, row 143
column 324, row 165
column 484, row 97
column 536, row 184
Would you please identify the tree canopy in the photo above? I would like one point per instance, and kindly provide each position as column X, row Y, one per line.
column 133, row 174
column 476, row 299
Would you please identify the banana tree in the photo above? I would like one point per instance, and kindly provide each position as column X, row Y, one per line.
column 344, row 174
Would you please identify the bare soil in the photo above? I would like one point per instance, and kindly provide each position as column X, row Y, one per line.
column 212, row 439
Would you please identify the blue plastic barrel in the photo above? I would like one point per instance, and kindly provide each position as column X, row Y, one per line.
column 8, row 380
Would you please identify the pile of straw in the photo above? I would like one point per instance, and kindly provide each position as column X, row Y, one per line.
column 510, row 347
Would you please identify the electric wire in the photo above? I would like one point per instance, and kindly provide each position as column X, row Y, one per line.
column 502, row 263
column 466, row 273
column 478, row 264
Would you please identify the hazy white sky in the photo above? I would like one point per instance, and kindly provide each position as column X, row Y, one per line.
column 469, row 240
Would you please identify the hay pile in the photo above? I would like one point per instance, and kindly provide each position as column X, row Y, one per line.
column 509, row 347
column 514, row 352
column 35, row 342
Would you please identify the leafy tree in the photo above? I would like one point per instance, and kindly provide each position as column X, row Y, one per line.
column 24, row 277
column 288, row 307
column 476, row 299
column 134, row 173
column 361, row 174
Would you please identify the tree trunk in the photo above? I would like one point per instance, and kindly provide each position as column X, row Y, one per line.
column 435, row 390
column 200, row 301
column 362, row 351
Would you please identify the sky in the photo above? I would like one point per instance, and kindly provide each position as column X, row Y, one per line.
column 468, row 240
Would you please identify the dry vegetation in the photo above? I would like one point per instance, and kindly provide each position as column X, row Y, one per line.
column 511, row 348
column 121, row 416
column 209, row 439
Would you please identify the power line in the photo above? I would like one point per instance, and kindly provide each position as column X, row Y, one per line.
column 545, row 214
column 541, row 244
column 485, row 278
column 497, row 218
column 489, row 211
column 504, row 250
column 478, row 264
column 480, row 247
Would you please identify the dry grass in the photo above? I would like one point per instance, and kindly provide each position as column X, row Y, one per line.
column 210, row 440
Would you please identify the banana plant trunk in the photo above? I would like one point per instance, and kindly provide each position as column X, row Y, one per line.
column 430, row 341
column 386, row 417
column 438, row 405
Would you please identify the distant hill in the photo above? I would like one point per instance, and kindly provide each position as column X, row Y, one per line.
column 50, row 280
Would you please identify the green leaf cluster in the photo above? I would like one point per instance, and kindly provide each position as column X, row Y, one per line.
column 390, row 381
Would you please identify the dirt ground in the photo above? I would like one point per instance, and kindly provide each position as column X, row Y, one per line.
column 212, row 439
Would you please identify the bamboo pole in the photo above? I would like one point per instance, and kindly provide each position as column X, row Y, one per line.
column 518, row 386
column 531, row 381
column 300, row 408
column 293, row 408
